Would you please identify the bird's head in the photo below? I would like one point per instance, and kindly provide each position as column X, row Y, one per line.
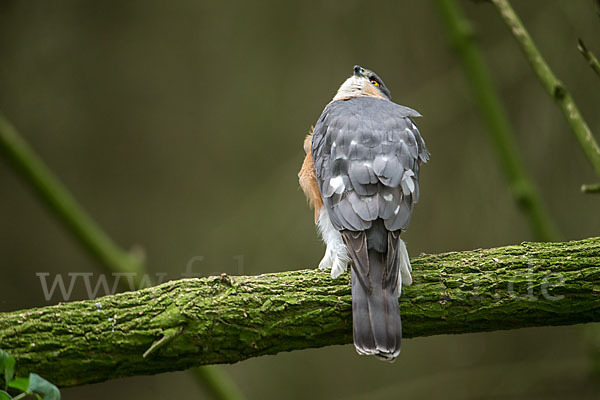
column 363, row 82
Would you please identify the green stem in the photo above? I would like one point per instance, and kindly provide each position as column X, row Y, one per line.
column 218, row 382
column 553, row 86
column 56, row 196
column 59, row 200
column 492, row 112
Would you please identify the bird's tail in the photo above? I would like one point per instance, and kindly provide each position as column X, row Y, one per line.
column 376, row 320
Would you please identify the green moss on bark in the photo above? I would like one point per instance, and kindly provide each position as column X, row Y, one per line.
column 228, row 319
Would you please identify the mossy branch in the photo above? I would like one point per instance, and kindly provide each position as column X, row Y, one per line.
column 461, row 36
column 553, row 86
column 229, row 319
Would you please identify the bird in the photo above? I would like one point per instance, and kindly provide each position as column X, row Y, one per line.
column 361, row 175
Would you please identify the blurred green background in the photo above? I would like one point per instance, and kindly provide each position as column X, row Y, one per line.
column 179, row 126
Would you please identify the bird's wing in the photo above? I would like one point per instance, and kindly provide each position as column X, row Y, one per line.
column 367, row 153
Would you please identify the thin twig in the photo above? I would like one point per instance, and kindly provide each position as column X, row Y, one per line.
column 591, row 188
column 553, row 86
column 492, row 112
column 589, row 56
column 169, row 335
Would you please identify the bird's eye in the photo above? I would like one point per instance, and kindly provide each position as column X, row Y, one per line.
column 374, row 82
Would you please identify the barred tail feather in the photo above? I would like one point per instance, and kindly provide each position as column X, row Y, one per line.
column 377, row 328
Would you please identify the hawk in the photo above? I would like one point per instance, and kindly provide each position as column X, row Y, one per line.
column 361, row 175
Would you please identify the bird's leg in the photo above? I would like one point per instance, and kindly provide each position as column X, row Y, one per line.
column 336, row 256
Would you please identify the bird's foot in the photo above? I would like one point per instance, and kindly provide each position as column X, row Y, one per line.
column 334, row 261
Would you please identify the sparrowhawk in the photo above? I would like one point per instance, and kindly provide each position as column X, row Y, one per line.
column 361, row 174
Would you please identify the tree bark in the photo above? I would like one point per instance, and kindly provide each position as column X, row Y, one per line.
column 226, row 319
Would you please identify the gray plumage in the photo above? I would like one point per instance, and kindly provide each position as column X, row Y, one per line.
column 367, row 153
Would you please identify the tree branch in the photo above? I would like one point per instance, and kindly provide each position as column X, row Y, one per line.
column 553, row 86
column 228, row 319
column 460, row 34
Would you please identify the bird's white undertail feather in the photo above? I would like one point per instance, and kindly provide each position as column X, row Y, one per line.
column 404, row 277
column 336, row 256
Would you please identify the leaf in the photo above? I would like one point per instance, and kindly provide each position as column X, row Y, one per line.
column 19, row 383
column 7, row 366
column 9, row 369
column 3, row 356
column 4, row 395
column 39, row 385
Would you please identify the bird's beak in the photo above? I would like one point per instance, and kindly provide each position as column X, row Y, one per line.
column 358, row 70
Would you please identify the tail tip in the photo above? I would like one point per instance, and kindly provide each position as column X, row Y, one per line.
column 382, row 354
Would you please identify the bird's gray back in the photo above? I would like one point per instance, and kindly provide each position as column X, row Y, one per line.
column 367, row 153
